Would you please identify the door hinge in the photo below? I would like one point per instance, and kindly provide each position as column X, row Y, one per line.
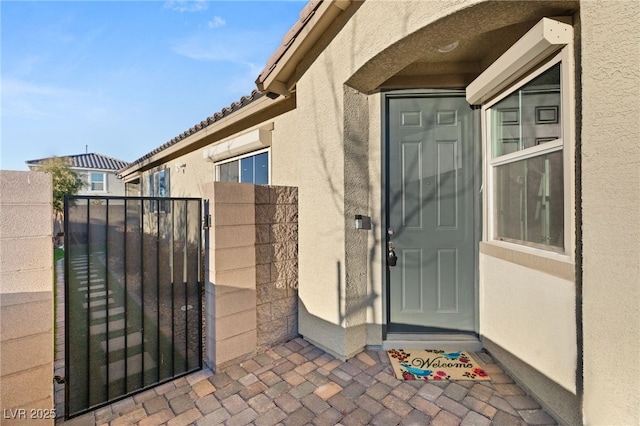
column 206, row 221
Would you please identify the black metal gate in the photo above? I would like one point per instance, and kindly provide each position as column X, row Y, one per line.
column 133, row 296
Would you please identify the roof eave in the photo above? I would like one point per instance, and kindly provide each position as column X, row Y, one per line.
column 279, row 76
column 132, row 172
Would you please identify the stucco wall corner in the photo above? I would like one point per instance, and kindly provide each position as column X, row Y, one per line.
column 609, row 134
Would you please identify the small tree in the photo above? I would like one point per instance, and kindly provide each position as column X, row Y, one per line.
column 65, row 182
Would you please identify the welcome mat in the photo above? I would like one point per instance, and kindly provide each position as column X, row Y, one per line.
column 435, row 365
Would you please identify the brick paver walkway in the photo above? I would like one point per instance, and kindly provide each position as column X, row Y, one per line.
column 299, row 384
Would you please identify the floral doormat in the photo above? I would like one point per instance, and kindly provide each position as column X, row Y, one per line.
column 416, row 364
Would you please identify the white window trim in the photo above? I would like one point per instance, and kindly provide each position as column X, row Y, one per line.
column 104, row 182
column 216, row 178
column 566, row 143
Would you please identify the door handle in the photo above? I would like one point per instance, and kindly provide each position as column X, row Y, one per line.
column 392, row 259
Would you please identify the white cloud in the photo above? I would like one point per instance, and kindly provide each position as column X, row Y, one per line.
column 236, row 47
column 186, row 5
column 25, row 99
column 216, row 22
column 215, row 51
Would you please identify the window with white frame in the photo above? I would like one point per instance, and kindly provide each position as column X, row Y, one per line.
column 97, row 182
column 526, row 157
column 249, row 168
column 159, row 187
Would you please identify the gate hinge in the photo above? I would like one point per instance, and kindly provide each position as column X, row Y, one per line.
column 206, row 221
column 59, row 380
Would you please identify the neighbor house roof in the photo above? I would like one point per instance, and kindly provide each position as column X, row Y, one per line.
column 91, row 161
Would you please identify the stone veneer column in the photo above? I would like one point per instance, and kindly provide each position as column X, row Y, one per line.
column 26, row 298
column 276, row 264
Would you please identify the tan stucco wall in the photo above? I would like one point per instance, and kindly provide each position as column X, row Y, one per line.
column 376, row 249
column 26, row 298
column 311, row 150
column 189, row 181
column 532, row 315
column 307, row 152
column 611, row 211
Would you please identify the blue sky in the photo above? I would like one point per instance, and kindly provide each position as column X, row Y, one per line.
column 124, row 77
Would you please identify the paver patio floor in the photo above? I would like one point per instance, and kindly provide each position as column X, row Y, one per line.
column 297, row 383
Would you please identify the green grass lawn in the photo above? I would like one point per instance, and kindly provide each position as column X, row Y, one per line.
column 58, row 254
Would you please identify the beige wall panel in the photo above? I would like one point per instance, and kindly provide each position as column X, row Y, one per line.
column 235, row 324
column 231, row 302
column 26, row 319
column 235, row 258
column 39, row 280
column 24, row 254
column 235, row 279
column 13, row 224
column 15, row 185
column 14, row 358
column 531, row 315
column 43, row 412
column 30, row 385
column 611, row 210
column 26, row 299
column 235, row 347
column 235, row 236
column 234, row 214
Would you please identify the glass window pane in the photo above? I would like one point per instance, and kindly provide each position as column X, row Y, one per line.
column 246, row 166
column 152, row 185
column 162, row 186
column 228, row 172
column 529, row 116
column 529, row 200
column 262, row 169
column 97, row 181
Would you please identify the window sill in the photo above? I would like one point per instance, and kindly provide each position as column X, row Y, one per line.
column 559, row 265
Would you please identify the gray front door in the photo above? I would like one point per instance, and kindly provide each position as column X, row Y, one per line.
column 430, row 214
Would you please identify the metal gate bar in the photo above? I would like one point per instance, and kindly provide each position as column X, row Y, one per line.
column 128, row 260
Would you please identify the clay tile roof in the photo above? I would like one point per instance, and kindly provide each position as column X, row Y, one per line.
column 245, row 100
column 289, row 37
column 89, row 161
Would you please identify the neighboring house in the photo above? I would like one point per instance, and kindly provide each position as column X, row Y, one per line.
column 493, row 144
column 98, row 172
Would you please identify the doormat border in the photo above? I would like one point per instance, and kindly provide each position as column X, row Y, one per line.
column 432, row 364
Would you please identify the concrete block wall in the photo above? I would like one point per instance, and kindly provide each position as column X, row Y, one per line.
column 230, row 273
column 276, row 264
column 251, row 269
column 26, row 298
